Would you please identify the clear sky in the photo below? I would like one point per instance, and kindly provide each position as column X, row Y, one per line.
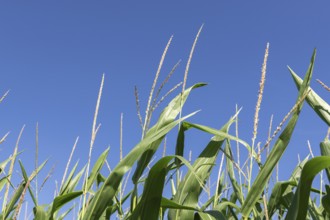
column 53, row 55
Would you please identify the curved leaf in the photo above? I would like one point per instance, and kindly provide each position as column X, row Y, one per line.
column 209, row 215
column 167, row 116
column 299, row 205
column 170, row 204
column 320, row 106
column 190, row 188
column 61, row 200
column 282, row 191
column 39, row 213
column 325, row 151
column 105, row 194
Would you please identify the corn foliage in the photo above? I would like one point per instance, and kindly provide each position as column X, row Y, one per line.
column 172, row 187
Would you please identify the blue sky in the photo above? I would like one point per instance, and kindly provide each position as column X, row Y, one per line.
column 53, row 55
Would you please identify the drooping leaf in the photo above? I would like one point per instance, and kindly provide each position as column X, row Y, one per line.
column 170, row 204
column 299, row 205
column 224, row 204
column 60, row 201
column 3, row 181
column 218, row 133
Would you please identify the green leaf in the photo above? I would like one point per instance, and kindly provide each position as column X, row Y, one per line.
column 39, row 213
column 276, row 196
column 277, row 151
column 72, row 184
column 326, row 200
column 149, row 205
column 207, row 204
column 170, row 204
column 106, row 193
column 190, row 188
column 113, row 208
column 224, row 204
column 220, row 134
column 26, row 178
column 167, row 116
column 64, row 187
column 11, row 204
column 231, row 174
column 179, row 148
column 282, row 191
column 315, row 213
column 64, row 214
column 96, row 170
column 320, row 106
column 61, row 200
column 4, row 163
column 299, row 205
column 99, row 179
column 325, row 151
column 209, row 215
column 3, row 181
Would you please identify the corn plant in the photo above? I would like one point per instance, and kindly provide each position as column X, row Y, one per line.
column 173, row 187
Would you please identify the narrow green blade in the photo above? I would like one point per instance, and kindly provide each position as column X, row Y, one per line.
column 39, row 213
column 167, row 116
column 149, row 205
column 281, row 195
column 277, row 151
column 170, row 204
column 209, row 215
column 61, row 200
column 65, row 187
column 96, row 170
column 231, row 173
column 179, row 148
column 325, row 151
column 26, row 178
column 190, row 188
column 326, row 200
column 13, row 200
column 18, row 193
column 105, row 194
column 321, row 107
column 299, row 205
